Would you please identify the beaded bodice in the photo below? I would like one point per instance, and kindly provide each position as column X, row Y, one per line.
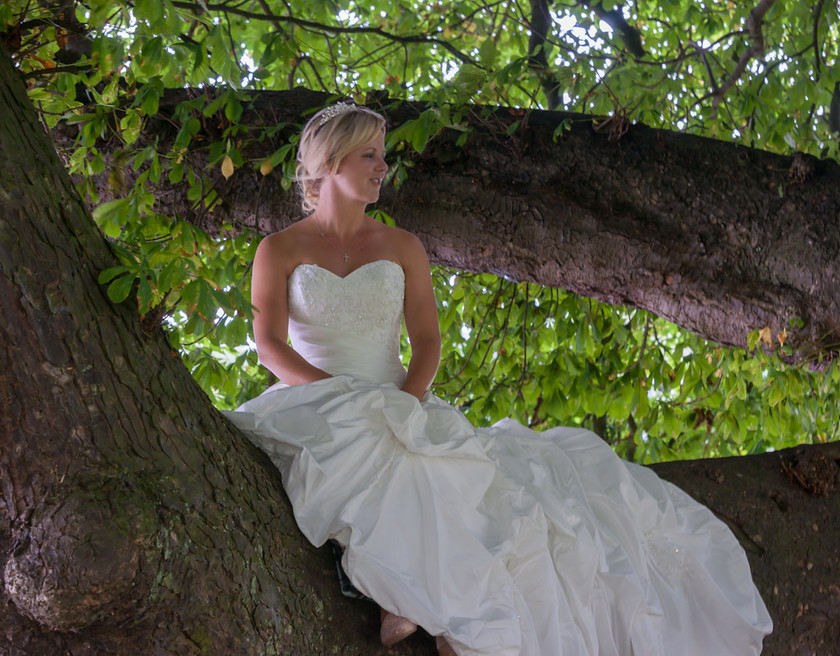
column 349, row 325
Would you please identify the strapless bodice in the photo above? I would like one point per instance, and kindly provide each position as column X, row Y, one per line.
column 349, row 325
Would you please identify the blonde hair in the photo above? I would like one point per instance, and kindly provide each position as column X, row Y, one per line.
column 328, row 137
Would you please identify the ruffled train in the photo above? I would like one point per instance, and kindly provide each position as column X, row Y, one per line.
column 506, row 541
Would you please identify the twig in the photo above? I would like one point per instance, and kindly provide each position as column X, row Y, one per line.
column 491, row 305
column 72, row 68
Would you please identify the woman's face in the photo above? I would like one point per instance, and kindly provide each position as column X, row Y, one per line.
column 360, row 174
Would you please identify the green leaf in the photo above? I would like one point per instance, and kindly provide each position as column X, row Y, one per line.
column 152, row 50
column 487, row 53
column 111, row 215
column 150, row 11
column 564, row 126
column 111, row 272
column 149, row 96
column 120, row 288
column 144, row 295
column 173, row 275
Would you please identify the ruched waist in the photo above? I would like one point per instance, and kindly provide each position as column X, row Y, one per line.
column 338, row 354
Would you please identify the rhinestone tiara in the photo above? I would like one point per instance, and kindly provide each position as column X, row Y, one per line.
column 335, row 110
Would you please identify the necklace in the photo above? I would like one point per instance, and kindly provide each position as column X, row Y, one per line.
column 344, row 254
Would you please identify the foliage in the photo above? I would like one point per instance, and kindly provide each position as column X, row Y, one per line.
column 764, row 75
column 654, row 391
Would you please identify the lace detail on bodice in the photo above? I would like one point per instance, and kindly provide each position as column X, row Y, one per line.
column 349, row 325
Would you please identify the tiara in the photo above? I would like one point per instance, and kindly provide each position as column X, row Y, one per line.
column 335, row 110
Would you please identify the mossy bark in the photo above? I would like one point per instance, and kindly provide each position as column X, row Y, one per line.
column 135, row 520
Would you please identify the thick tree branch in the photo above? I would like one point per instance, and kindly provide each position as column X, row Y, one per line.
column 710, row 235
column 134, row 519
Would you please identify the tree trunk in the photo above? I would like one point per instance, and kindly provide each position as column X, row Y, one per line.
column 719, row 238
column 135, row 520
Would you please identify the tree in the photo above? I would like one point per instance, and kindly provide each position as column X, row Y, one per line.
column 155, row 517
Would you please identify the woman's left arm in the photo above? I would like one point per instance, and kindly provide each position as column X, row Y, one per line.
column 421, row 318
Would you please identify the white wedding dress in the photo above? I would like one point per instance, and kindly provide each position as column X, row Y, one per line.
column 507, row 541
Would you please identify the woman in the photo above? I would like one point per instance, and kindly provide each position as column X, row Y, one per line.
column 498, row 541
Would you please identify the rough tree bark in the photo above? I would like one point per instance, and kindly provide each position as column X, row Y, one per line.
column 135, row 520
column 719, row 238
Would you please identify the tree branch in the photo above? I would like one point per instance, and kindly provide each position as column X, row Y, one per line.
column 754, row 22
column 816, row 41
column 538, row 51
column 691, row 229
column 615, row 19
column 335, row 29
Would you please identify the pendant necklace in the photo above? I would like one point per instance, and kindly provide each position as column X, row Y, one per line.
column 345, row 255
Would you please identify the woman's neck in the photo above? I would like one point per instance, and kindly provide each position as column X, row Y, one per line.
column 340, row 219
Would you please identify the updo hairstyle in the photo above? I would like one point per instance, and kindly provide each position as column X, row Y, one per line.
column 328, row 137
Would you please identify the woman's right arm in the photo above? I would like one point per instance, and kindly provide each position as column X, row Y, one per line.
column 269, row 296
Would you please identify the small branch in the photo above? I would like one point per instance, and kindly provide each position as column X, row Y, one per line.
column 490, row 306
column 296, row 65
column 754, row 22
column 505, row 327
column 642, row 349
column 816, row 40
column 233, row 48
column 268, row 12
column 712, row 81
column 538, row 51
column 615, row 19
column 331, row 29
column 72, row 68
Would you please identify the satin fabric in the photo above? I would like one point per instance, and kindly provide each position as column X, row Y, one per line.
column 506, row 541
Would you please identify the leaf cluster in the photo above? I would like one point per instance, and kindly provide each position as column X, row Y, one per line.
column 654, row 391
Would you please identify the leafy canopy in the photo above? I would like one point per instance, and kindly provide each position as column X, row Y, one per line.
column 764, row 75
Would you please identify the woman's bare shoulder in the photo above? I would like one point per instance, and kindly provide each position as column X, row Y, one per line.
column 401, row 246
column 403, row 239
column 285, row 242
column 411, row 249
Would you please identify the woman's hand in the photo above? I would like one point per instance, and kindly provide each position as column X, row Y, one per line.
column 416, row 392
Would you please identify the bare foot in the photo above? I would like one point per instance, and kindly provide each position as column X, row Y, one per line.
column 394, row 628
column 443, row 647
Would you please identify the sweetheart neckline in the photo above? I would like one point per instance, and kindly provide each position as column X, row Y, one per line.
column 335, row 275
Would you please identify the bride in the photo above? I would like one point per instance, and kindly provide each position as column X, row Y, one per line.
column 497, row 540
